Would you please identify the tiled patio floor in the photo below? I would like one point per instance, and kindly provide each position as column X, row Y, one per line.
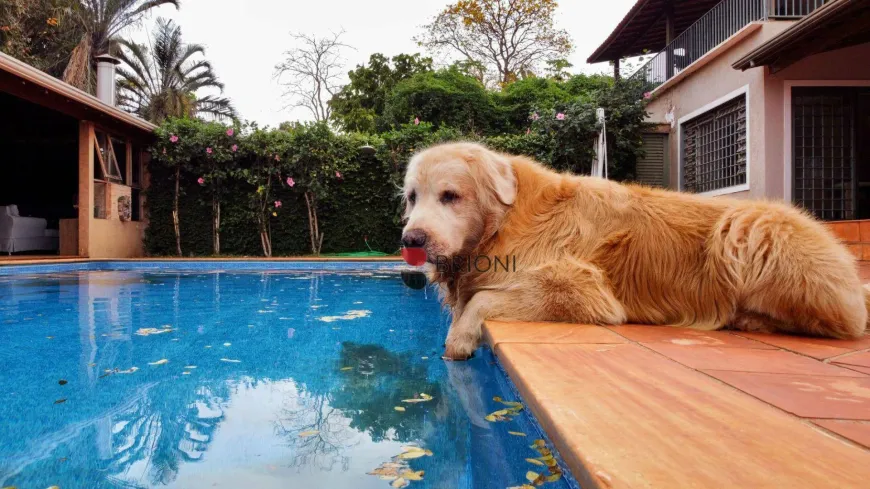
column 645, row 406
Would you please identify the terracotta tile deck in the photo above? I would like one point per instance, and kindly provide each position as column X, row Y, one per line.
column 645, row 406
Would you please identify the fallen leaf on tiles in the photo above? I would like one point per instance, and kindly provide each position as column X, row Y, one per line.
column 345, row 369
column 516, row 433
column 412, row 475
column 306, row 434
column 60, row 401
column 534, row 461
column 159, row 362
column 62, row 382
column 227, row 344
column 230, row 360
column 151, row 331
column 399, row 408
column 190, row 366
column 399, row 483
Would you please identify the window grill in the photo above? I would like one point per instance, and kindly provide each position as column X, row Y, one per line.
column 823, row 149
column 714, row 148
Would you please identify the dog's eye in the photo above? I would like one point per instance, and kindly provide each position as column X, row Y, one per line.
column 412, row 197
column 448, row 197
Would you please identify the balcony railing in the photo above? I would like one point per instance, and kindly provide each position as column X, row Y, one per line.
column 713, row 28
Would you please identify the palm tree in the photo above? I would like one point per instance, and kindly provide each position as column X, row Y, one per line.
column 162, row 81
column 102, row 22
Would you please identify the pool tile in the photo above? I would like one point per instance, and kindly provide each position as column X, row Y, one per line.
column 685, row 337
column 808, row 396
column 861, row 359
column 857, row 431
column 625, row 417
column 496, row 332
column 820, row 348
column 748, row 360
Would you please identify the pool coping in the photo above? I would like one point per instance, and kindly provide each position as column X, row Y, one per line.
column 211, row 264
column 635, row 406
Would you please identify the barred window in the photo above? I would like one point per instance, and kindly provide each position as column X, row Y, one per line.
column 714, row 148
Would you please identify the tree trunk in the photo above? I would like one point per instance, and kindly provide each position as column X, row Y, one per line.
column 265, row 239
column 216, row 223
column 175, row 219
column 313, row 225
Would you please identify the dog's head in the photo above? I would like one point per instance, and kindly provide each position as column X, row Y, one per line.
column 455, row 196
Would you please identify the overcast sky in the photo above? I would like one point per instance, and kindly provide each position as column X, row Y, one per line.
column 246, row 38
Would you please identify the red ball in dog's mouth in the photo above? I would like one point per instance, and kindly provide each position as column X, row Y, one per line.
column 414, row 256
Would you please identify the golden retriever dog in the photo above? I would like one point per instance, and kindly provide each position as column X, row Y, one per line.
column 587, row 250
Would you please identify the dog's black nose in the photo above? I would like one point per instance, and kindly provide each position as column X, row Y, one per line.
column 415, row 238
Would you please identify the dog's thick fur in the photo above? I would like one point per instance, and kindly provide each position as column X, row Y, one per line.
column 592, row 251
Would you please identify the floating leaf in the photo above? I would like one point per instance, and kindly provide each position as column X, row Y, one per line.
column 190, row 366
column 411, row 455
column 54, row 487
column 399, row 408
column 516, row 433
column 554, row 477
column 524, row 486
column 128, row 371
column 60, row 401
column 227, row 344
column 151, row 331
column 539, row 444
column 306, row 434
column 532, row 476
column 534, row 461
column 159, row 362
column 185, row 373
column 400, row 482
column 412, row 475
column 424, row 358
column 229, row 360
column 425, row 397
column 62, row 382
column 345, row 369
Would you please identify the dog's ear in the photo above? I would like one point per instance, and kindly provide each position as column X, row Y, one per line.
column 504, row 181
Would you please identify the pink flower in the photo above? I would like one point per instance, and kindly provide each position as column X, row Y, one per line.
column 235, row 148
column 416, row 121
column 200, row 181
column 535, row 116
column 338, row 174
column 290, row 182
column 230, row 132
column 560, row 116
column 208, row 150
column 647, row 95
column 277, row 204
column 173, row 139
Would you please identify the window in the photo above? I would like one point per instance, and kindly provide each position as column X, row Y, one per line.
column 108, row 158
column 714, row 148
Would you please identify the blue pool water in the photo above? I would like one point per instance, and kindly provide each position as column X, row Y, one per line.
column 296, row 380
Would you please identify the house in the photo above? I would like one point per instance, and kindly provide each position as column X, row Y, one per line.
column 756, row 98
column 73, row 167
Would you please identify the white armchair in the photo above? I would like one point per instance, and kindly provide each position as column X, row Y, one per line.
column 24, row 233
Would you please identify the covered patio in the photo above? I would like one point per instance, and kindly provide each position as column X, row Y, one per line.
column 73, row 171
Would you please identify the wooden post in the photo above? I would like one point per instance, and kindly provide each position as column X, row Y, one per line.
column 128, row 171
column 669, row 38
column 86, row 186
column 616, row 73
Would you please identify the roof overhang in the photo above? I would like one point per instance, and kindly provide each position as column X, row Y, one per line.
column 25, row 81
column 643, row 28
column 836, row 25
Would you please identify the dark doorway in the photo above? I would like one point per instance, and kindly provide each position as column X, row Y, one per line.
column 831, row 151
column 38, row 167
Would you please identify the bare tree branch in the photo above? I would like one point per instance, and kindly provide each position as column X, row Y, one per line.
column 312, row 72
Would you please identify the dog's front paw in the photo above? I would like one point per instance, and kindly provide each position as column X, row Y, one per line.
column 458, row 349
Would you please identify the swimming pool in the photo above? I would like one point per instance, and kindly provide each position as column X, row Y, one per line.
column 305, row 375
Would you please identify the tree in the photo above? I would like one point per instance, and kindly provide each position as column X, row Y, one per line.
column 311, row 73
column 163, row 81
column 216, row 163
column 102, row 22
column 359, row 105
column 42, row 33
column 511, row 38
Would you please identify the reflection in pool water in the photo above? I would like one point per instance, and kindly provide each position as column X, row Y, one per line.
column 270, row 380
